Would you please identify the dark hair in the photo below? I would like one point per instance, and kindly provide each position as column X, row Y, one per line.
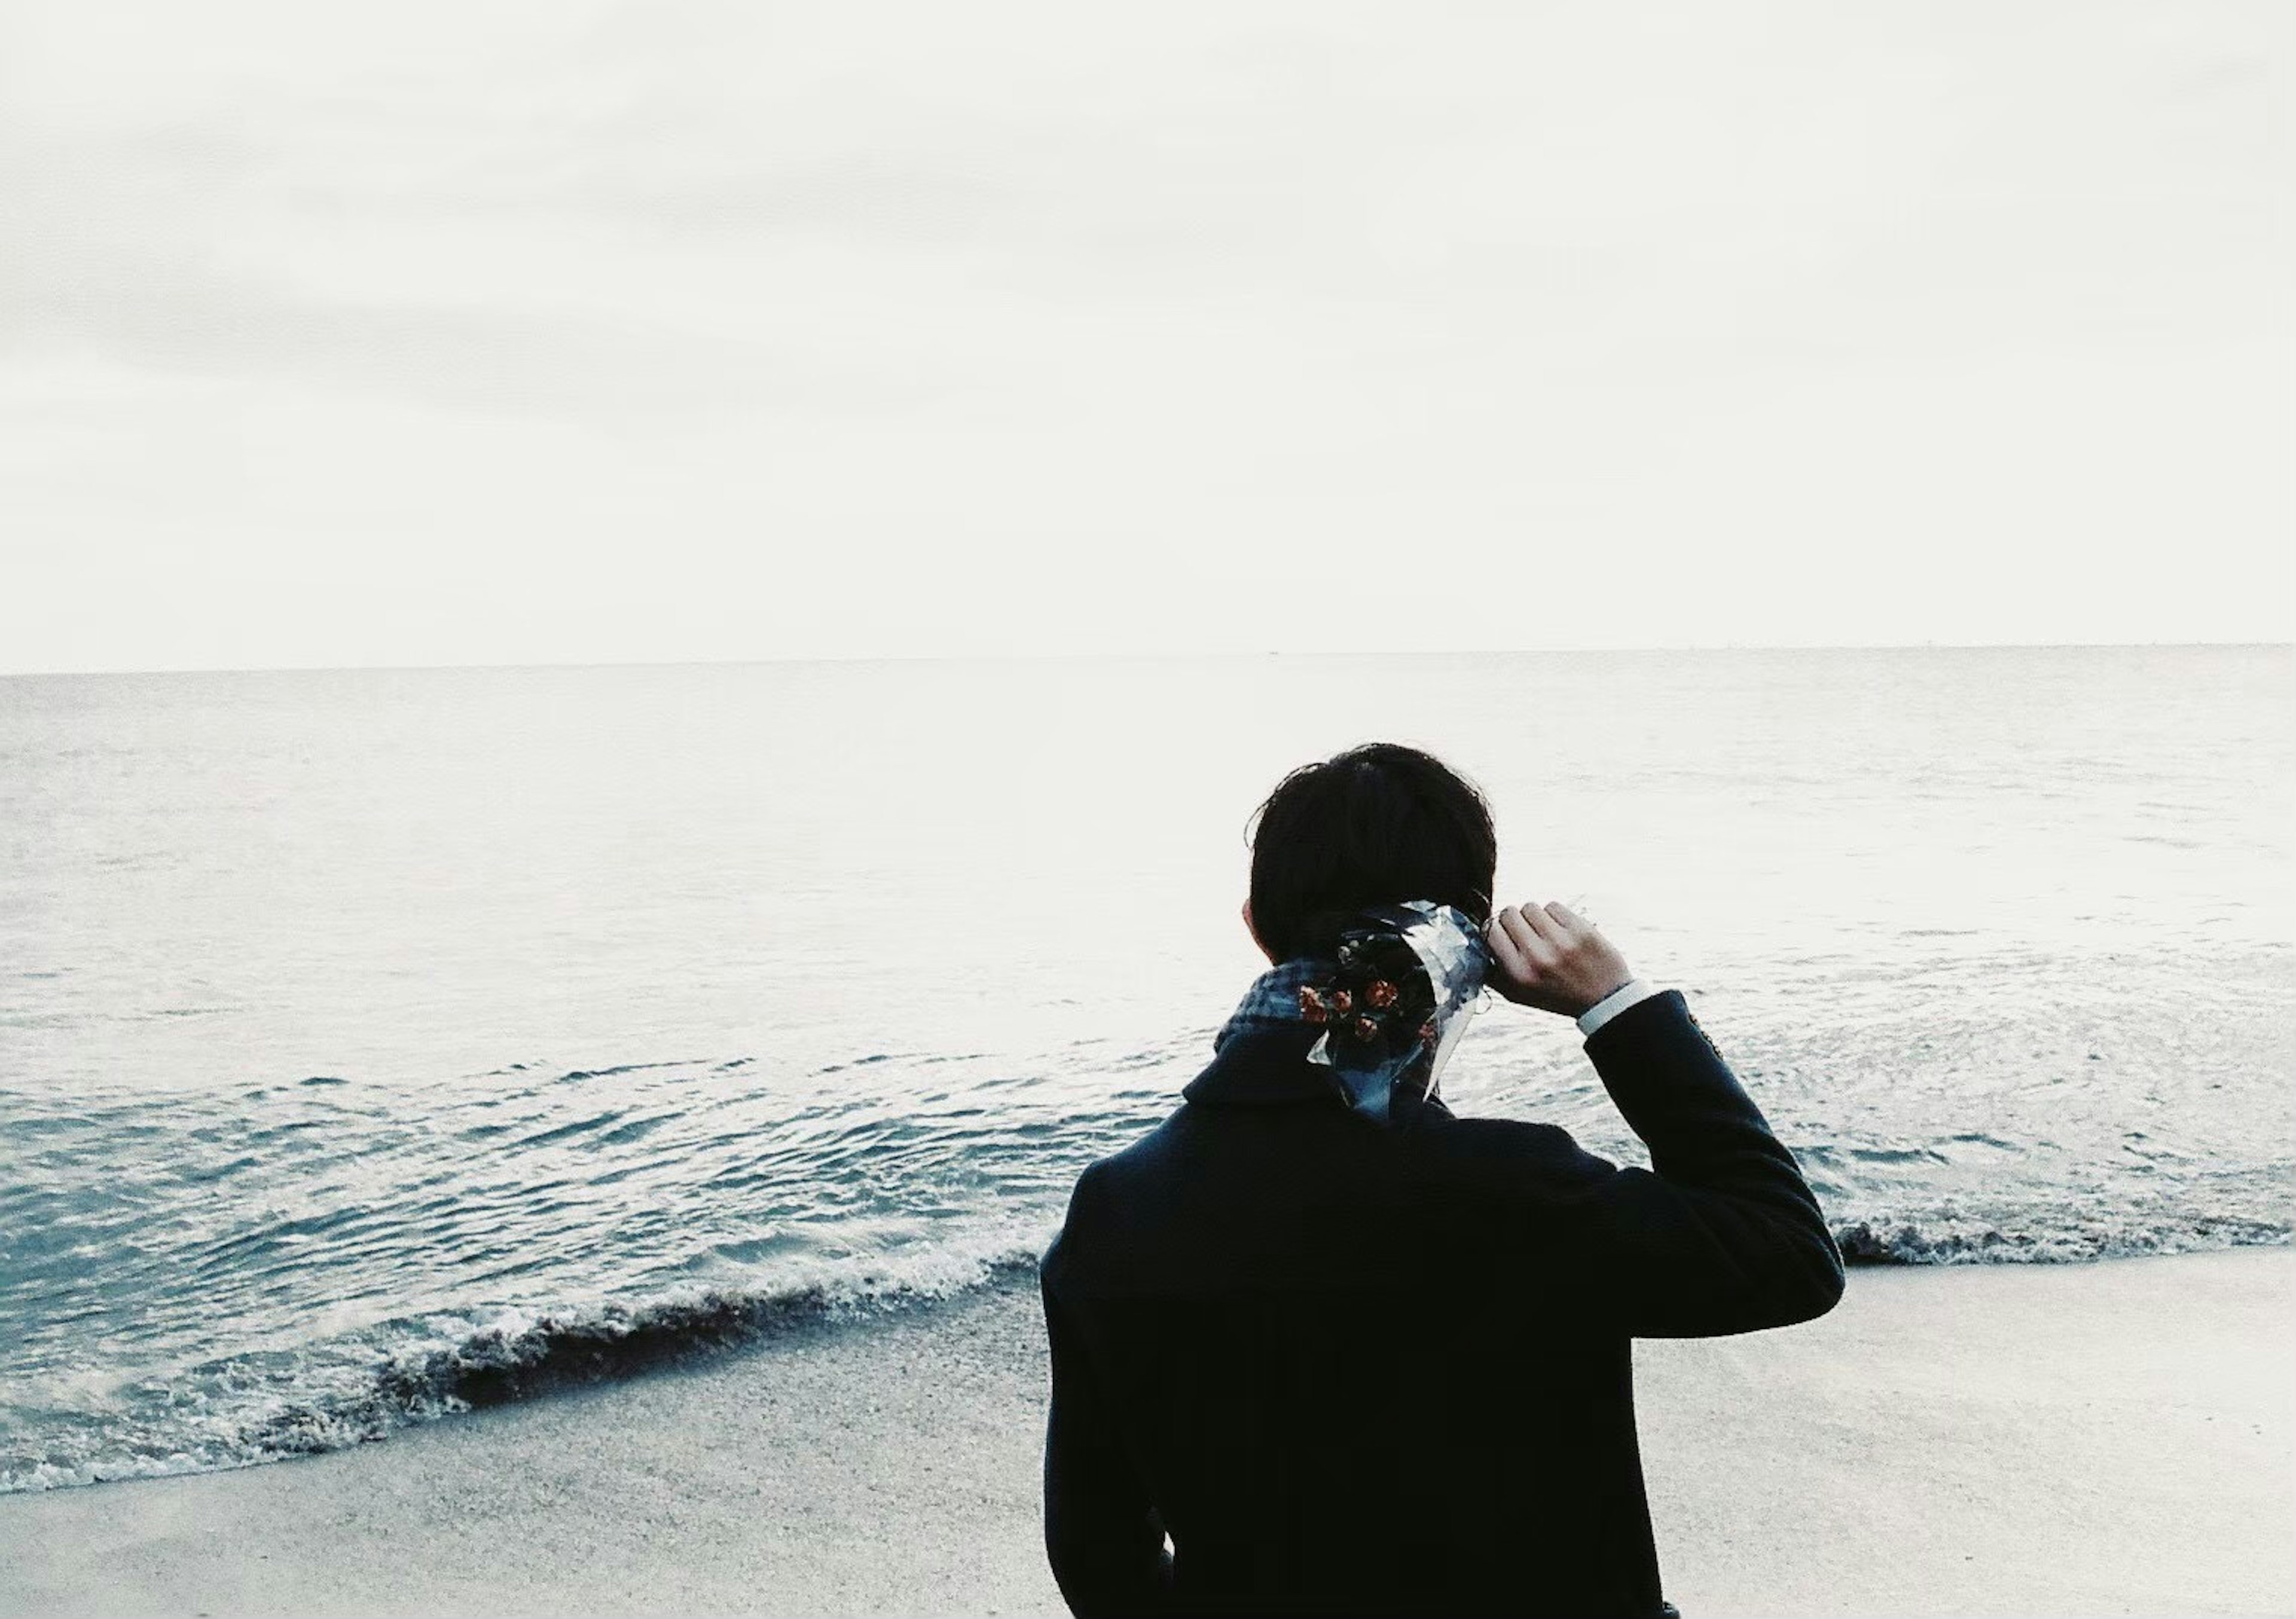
column 1376, row 825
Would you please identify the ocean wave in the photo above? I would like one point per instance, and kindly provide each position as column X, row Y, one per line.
column 519, row 1357
column 516, row 1355
column 1958, row 1243
column 516, row 1360
column 327, row 1398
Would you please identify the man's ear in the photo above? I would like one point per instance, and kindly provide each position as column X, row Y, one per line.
column 1252, row 928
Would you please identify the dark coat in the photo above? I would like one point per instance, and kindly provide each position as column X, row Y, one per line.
column 1357, row 1368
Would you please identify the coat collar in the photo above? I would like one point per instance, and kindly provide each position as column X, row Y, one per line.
column 1266, row 1065
column 1258, row 1065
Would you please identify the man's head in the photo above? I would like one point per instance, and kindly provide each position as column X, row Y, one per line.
column 1376, row 825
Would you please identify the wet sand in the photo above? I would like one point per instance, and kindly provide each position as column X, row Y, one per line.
column 2112, row 1438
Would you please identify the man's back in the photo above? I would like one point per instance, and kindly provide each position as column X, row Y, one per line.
column 1361, row 1368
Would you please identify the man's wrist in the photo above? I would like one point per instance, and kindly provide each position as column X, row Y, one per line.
column 1610, row 1005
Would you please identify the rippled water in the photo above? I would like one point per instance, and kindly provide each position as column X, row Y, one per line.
column 371, row 1040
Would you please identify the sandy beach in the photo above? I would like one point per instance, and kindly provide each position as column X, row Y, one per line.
column 2112, row 1438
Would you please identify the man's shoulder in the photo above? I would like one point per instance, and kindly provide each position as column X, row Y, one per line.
column 1114, row 1178
column 1145, row 1155
column 1521, row 1155
column 1514, row 1157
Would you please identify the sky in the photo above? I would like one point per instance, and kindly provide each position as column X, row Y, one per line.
column 559, row 332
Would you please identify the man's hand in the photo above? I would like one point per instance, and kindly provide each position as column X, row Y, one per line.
column 1548, row 957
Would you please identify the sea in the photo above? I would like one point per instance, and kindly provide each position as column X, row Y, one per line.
column 379, row 1044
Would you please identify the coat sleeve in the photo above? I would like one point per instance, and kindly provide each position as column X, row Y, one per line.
column 1103, row 1535
column 1721, row 1234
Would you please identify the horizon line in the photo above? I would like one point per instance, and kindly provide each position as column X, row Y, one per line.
column 1136, row 657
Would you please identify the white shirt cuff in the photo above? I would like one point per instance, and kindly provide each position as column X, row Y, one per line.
column 1610, row 1005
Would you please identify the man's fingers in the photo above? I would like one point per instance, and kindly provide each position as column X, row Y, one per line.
column 1508, row 933
column 1551, row 957
column 1548, row 930
column 1534, row 938
column 1503, row 945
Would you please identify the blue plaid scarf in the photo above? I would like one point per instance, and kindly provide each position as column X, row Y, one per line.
column 1274, row 996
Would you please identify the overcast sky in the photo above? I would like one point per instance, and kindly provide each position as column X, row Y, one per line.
column 526, row 330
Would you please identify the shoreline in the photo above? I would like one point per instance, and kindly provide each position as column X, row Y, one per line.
column 2107, row 1437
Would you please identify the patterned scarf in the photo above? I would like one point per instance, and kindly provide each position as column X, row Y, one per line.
column 1392, row 1003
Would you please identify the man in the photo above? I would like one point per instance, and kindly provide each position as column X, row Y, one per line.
column 1314, row 1356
